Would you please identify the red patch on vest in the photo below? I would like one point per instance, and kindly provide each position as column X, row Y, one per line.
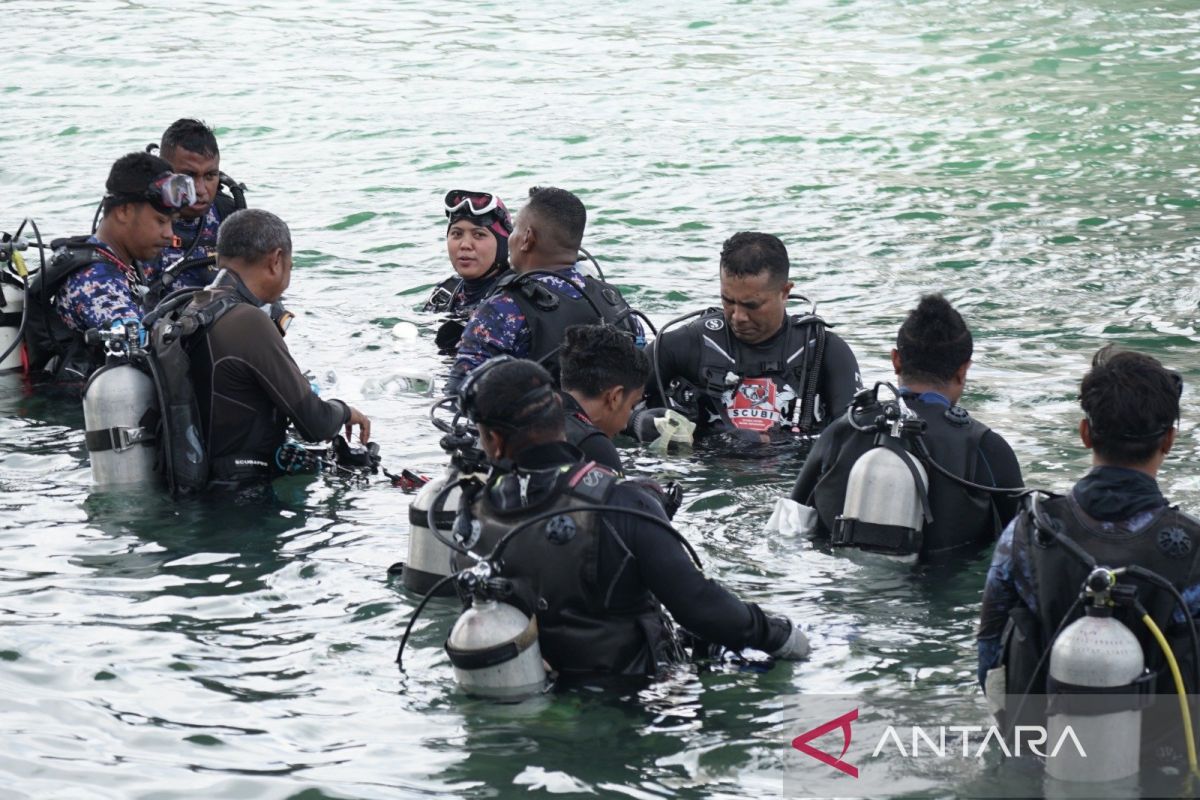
column 752, row 407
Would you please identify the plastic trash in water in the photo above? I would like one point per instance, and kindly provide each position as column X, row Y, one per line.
column 791, row 517
column 672, row 427
column 399, row 383
column 405, row 332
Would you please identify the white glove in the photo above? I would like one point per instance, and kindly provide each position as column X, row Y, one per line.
column 796, row 647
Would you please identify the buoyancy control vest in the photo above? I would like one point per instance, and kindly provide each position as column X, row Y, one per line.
column 163, row 284
column 174, row 327
column 757, row 394
column 1169, row 545
column 549, row 311
column 958, row 517
column 51, row 344
column 553, row 568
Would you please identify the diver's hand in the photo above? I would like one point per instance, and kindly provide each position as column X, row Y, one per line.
column 364, row 425
column 796, row 648
column 641, row 424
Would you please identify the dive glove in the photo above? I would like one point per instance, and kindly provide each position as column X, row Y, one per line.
column 641, row 424
column 796, row 647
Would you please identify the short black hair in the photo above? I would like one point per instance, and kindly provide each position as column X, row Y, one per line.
column 934, row 341
column 1131, row 402
column 130, row 177
column 560, row 213
column 749, row 253
column 595, row 358
column 192, row 135
column 508, row 397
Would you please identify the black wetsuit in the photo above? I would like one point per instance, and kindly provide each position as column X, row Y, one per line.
column 631, row 566
column 964, row 446
column 248, row 387
column 594, row 443
column 793, row 383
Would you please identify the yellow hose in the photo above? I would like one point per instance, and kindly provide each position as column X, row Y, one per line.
column 19, row 264
column 1179, row 689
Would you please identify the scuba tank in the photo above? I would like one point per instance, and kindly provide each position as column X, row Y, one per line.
column 428, row 558
column 429, row 550
column 120, row 412
column 493, row 645
column 12, row 310
column 1098, row 653
column 886, row 505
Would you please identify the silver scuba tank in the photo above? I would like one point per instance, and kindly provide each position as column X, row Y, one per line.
column 495, row 653
column 1098, row 651
column 428, row 559
column 11, row 311
column 883, row 508
column 120, row 445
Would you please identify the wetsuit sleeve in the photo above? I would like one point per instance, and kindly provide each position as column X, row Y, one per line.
column 262, row 350
column 96, row 296
column 700, row 604
column 810, row 473
column 599, row 448
column 840, row 376
column 998, row 467
column 999, row 597
column 669, row 357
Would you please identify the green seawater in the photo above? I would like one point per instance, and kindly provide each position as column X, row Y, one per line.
column 1034, row 160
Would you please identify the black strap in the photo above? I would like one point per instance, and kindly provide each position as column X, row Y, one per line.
column 873, row 536
column 10, row 319
column 1093, row 701
column 893, row 444
column 419, row 518
column 118, row 438
column 497, row 654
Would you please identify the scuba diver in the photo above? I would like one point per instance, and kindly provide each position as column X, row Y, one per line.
column 931, row 358
column 220, row 343
column 477, row 242
column 749, row 370
column 603, row 376
column 191, row 148
column 529, row 309
column 95, row 281
column 1116, row 518
column 596, row 582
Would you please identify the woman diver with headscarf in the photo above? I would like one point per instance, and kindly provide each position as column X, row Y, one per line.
column 477, row 243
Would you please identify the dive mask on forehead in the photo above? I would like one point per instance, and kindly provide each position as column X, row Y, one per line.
column 474, row 203
column 481, row 207
column 172, row 191
column 167, row 194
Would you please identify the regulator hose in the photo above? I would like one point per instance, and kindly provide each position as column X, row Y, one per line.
column 24, row 274
column 1180, row 691
column 416, row 613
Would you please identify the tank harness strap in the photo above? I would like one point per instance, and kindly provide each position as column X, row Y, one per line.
column 497, row 654
column 121, row 439
column 10, row 319
column 1094, row 701
column 419, row 518
column 891, row 443
column 874, row 536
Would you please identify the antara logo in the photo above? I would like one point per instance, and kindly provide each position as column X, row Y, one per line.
column 801, row 743
column 1032, row 737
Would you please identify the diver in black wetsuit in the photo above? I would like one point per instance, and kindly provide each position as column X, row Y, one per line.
column 477, row 241
column 931, row 358
column 248, row 387
column 748, row 369
column 603, row 375
column 598, row 592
